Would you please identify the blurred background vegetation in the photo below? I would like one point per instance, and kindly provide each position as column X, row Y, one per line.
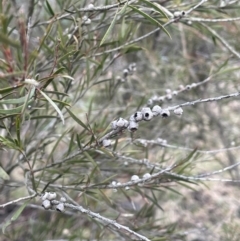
column 69, row 68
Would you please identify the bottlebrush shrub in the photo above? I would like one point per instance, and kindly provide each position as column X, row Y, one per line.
column 85, row 88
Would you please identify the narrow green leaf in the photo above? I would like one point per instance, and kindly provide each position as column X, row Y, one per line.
column 14, row 217
column 77, row 119
column 107, row 152
column 131, row 48
column 59, row 139
column 18, row 130
column 150, row 19
column 17, row 110
column 20, row 100
column 228, row 70
column 155, row 6
column 8, row 89
column 53, row 104
column 44, row 117
column 146, row 16
column 9, row 143
column 3, row 174
column 61, row 102
column 66, row 76
column 50, row 9
column 58, row 71
column 89, row 157
column 55, row 92
column 107, row 180
column 6, row 40
column 102, row 81
column 17, row 73
column 105, row 198
column 109, row 29
column 66, row 55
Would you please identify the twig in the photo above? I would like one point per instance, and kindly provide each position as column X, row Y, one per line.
column 148, row 34
column 160, row 143
column 204, row 100
column 222, row 40
column 102, row 219
column 209, row 20
column 195, row 7
column 94, row 9
column 64, row 160
column 18, row 200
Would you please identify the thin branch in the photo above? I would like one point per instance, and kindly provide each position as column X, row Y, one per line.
column 222, row 40
column 150, row 33
column 108, row 221
column 162, row 144
column 18, row 200
column 63, row 160
column 192, row 103
column 209, row 20
column 94, row 9
column 195, row 7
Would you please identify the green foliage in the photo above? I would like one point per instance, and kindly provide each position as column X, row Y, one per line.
column 67, row 72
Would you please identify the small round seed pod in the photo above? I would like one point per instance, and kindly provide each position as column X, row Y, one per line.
column 120, row 122
column 46, row 204
column 118, row 78
column 156, row 110
column 175, row 92
column 114, row 125
column 178, row 111
column 52, row 196
column 127, row 188
column 125, row 73
column 150, row 102
column 165, row 113
column 133, row 126
column 45, row 196
column 181, row 87
column 84, row 18
column 90, row 6
column 147, row 113
column 159, row 140
column 138, row 116
column 119, row 183
column 161, row 99
column 114, row 183
column 88, row 21
column 134, row 178
column 164, row 142
column 147, row 175
column 168, row 91
column 132, row 118
column 106, row 142
column 178, row 14
column 188, row 87
column 63, row 199
column 60, row 207
column 169, row 97
column 193, row 85
column 132, row 67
